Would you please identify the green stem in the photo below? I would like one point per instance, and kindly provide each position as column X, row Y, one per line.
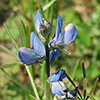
column 47, row 11
column 74, row 85
column 47, row 85
column 32, row 82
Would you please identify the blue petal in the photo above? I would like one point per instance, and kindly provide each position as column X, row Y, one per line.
column 57, row 88
column 58, row 27
column 63, row 50
column 57, row 76
column 37, row 45
column 67, row 35
column 72, row 93
column 58, row 31
column 38, row 20
column 27, row 56
column 54, row 54
column 52, row 42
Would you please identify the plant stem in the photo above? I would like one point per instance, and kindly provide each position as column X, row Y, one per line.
column 32, row 83
column 47, row 85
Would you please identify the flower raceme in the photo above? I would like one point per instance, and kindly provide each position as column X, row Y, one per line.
column 59, row 87
column 37, row 50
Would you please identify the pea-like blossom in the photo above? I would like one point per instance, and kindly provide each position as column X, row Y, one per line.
column 64, row 37
column 59, row 87
column 57, row 76
column 37, row 50
column 42, row 28
column 29, row 56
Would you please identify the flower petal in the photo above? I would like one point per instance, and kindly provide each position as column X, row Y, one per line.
column 57, row 88
column 72, row 93
column 38, row 20
column 63, row 50
column 57, row 76
column 67, row 35
column 54, row 54
column 58, row 27
column 37, row 45
column 27, row 56
column 52, row 42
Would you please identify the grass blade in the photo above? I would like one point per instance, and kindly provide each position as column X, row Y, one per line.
column 16, row 81
column 20, row 32
column 11, row 37
column 93, row 87
column 4, row 48
column 41, row 10
column 23, row 32
column 75, row 68
column 74, row 85
column 85, row 80
column 10, row 65
column 42, row 76
column 91, row 97
column 48, row 5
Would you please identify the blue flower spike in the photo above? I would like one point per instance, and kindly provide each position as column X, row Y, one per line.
column 57, row 76
column 65, row 37
column 42, row 28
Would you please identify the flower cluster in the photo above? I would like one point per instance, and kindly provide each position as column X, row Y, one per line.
column 59, row 87
column 37, row 50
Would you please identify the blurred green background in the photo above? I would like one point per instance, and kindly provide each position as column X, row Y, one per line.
column 84, row 14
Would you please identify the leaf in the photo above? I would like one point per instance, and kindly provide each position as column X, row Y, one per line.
column 10, row 65
column 91, row 97
column 84, row 37
column 11, row 37
column 48, row 5
column 4, row 48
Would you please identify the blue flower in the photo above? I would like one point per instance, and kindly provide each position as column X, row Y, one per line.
column 58, row 87
column 29, row 56
column 65, row 37
column 42, row 28
column 57, row 76
column 53, row 55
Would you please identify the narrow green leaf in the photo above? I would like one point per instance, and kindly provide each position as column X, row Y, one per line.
column 31, row 8
column 48, row 5
column 85, row 80
column 94, row 86
column 4, row 48
column 47, row 10
column 74, row 85
column 91, row 97
column 23, row 32
column 15, row 80
column 75, row 68
column 51, row 16
column 20, row 32
column 42, row 76
column 11, row 37
column 32, row 96
column 10, row 65
column 41, row 10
